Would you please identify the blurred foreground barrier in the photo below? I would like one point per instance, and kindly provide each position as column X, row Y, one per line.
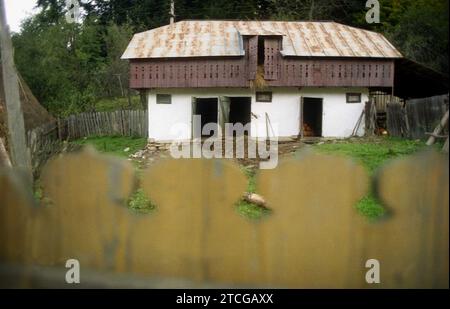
column 313, row 238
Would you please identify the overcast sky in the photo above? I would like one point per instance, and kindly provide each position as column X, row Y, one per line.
column 17, row 10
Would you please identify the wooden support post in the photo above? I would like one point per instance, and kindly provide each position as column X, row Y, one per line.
column 19, row 152
column 120, row 83
column 59, row 128
column 358, row 124
column 370, row 113
column 438, row 129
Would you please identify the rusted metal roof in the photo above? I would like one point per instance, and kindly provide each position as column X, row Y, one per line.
column 224, row 38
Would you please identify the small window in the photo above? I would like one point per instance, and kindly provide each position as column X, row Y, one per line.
column 163, row 99
column 353, row 97
column 264, row 97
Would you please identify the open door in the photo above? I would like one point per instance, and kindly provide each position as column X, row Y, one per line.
column 240, row 113
column 301, row 133
column 194, row 112
column 224, row 113
column 204, row 111
column 312, row 117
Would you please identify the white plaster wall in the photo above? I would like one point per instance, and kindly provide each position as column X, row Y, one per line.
column 163, row 117
column 339, row 118
column 283, row 113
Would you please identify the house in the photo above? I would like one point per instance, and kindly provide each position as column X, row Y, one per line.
column 282, row 78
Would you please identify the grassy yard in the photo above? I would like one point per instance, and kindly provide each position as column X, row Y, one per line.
column 112, row 104
column 117, row 145
column 370, row 153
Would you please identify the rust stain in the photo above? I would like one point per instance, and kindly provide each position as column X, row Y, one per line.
column 342, row 45
column 140, row 46
column 221, row 38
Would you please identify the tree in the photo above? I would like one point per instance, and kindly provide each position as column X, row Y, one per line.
column 420, row 30
column 70, row 66
column 338, row 10
column 114, row 76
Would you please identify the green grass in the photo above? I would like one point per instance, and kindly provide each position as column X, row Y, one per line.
column 115, row 145
column 139, row 203
column 251, row 175
column 113, row 104
column 246, row 209
column 372, row 155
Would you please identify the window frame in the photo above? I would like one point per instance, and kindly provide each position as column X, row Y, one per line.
column 264, row 93
column 353, row 94
column 158, row 98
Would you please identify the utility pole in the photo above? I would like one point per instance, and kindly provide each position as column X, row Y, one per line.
column 172, row 11
column 120, row 83
column 20, row 155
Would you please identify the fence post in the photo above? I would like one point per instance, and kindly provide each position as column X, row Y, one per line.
column 371, row 117
column 58, row 125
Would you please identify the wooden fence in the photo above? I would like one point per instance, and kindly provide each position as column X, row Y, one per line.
column 382, row 99
column 43, row 143
column 124, row 123
column 396, row 120
column 46, row 140
column 312, row 238
column 423, row 115
column 417, row 117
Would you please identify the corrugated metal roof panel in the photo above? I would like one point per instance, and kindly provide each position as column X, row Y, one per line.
column 223, row 38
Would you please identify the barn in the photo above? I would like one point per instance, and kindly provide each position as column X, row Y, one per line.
column 284, row 79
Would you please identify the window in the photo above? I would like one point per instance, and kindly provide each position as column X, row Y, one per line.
column 353, row 97
column 264, row 97
column 163, row 99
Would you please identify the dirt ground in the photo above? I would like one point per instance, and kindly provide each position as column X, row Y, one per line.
column 156, row 151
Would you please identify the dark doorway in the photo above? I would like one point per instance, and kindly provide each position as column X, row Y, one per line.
column 312, row 117
column 261, row 51
column 207, row 108
column 240, row 110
